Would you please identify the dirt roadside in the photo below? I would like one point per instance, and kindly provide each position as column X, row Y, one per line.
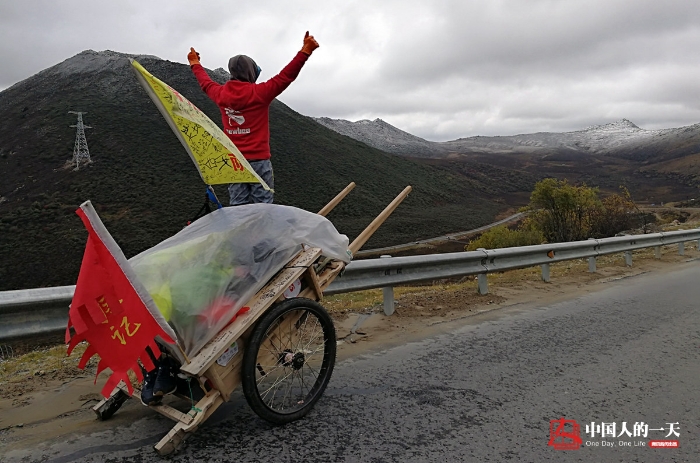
column 43, row 396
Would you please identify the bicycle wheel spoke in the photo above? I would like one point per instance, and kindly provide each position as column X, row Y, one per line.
column 302, row 329
column 301, row 378
column 312, row 370
column 276, row 385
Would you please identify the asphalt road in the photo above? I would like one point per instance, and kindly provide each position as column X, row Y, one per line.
column 483, row 392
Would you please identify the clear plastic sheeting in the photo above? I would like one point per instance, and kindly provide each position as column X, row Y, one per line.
column 202, row 276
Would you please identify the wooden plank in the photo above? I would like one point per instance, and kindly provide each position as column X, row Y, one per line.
column 172, row 413
column 258, row 304
column 228, row 381
column 226, row 378
column 334, row 202
column 312, row 282
column 329, row 274
column 325, row 278
column 182, row 431
column 207, row 406
column 172, row 440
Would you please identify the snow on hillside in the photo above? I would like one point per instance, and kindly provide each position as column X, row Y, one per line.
column 89, row 62
column 85, row 62
column 594, row 139
column 384, row 136
column 92, row 61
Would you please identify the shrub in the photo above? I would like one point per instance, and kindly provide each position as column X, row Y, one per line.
column 614, row 216
column 563, row 212
column 504, row 237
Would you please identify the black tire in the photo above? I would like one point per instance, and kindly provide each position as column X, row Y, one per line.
column 279, row 355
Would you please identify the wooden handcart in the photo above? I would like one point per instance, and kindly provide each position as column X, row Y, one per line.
column 282, row 351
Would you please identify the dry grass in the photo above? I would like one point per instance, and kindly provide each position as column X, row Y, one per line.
column 25, row 373
column 40, row 362
column 362, row 301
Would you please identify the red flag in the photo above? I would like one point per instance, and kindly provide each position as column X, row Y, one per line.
column 110, row 309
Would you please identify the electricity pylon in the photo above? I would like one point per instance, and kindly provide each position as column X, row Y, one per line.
column 81, row 154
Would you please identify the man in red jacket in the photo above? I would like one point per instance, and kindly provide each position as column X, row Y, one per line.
column 245, row 109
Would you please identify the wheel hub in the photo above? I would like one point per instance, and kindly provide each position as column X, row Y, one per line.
column 298, row 361
column 290, row 359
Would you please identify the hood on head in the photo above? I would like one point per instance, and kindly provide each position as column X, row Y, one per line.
column 243, row 68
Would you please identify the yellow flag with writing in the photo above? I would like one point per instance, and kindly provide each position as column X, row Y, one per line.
column 216, row 157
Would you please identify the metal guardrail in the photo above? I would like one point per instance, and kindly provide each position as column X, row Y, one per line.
column 45, row 310
column 33, row 312
column 394, row 271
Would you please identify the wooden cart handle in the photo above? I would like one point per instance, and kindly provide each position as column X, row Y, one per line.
column 371, row 228
column 334, row 202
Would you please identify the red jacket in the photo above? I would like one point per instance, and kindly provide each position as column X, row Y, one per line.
column 245, row 107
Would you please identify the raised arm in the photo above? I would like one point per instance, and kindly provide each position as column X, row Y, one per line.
column 211, row 88
column 273, row 87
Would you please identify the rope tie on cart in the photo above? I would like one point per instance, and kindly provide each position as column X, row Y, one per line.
column 189, row 386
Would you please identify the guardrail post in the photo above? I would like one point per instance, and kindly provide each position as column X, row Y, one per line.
column 657, row 252
column 591, row 264
column 545, row 273
column 483, row 283
column 628, row 258
column 591, row 260
column 681, row 248
column 388, row 295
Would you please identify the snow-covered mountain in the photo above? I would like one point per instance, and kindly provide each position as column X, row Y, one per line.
column 385, row 137
column 621, row 138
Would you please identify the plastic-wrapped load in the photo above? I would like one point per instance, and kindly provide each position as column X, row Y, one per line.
column 202, row 276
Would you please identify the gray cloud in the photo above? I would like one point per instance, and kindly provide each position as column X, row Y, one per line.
column 441, row 69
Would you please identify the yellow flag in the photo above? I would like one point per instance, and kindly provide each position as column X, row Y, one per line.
column 216, row 157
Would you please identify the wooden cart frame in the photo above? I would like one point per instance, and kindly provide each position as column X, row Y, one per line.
column 218, row 380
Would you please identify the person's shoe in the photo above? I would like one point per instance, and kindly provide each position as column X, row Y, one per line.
column 149, row 381
column 166, row 382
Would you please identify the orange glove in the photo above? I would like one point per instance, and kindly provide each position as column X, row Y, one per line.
column 310, row 44
column 193, row 57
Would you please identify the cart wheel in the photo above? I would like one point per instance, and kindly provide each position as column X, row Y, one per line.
column 109, row 407
column 289, row 360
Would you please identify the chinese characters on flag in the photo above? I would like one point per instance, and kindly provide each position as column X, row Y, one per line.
column 110, row 309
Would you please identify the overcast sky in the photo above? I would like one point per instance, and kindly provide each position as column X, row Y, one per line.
column 440, row 69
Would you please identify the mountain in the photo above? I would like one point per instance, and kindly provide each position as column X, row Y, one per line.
column 385, row 137
column 656, row 165
column 145, row 187
column 622, row 138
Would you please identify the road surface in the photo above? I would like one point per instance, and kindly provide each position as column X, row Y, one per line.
column 482, row 392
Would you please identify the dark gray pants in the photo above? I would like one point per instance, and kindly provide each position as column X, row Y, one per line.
column 249, row 193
